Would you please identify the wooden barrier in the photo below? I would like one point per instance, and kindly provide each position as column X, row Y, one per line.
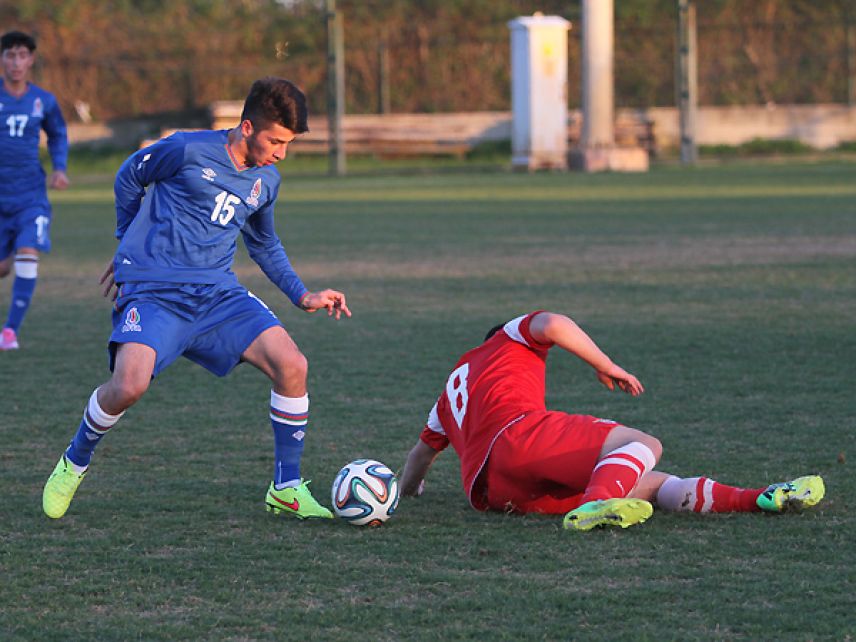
column 450, row 134
column 653, row 128
column 410, row 135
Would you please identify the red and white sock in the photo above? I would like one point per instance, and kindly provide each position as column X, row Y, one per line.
column 618, row 472
column 703, row 495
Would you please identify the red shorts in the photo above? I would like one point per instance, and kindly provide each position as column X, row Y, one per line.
column 544, row 465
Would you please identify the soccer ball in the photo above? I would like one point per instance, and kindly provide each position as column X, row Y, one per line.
column 365, row 493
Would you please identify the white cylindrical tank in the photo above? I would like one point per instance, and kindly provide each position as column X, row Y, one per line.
column 539, row 92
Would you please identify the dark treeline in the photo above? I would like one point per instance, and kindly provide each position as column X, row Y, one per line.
column 128, row 57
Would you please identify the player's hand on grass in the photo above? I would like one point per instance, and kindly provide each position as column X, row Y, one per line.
column 411, row 490
column 626, row 382
column 109, row 282
column 331, row 300
column 58, row 180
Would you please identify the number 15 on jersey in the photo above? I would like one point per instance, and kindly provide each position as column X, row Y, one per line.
column 224, row 211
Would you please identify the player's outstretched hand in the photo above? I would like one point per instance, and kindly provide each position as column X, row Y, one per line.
column 330, row 300
column 412, row 490
column 58, row 180
column 108, row 281
column 616, row 376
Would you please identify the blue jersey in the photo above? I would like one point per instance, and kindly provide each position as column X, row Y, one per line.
column 184, row 227
column 21, row 120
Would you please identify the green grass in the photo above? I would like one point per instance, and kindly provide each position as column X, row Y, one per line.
column 760, row 147
column 729, row 291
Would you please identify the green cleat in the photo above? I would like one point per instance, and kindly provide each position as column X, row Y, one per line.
column 297, row 501
column 608, row 512
column 792, row 496
column 59, row 489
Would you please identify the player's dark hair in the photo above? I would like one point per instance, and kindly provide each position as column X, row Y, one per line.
column 17, row 39
column 276, row 100
column 493, row 331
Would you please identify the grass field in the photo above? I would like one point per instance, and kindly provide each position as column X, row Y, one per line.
column 730, row 291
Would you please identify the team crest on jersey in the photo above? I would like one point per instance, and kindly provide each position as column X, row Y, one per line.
column 253, row 198
column 208, row 174
column 132, row 321
column 38, row 108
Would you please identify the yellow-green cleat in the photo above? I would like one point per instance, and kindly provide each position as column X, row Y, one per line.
column 60, row 487
column 297, row 501
column 608, row 512
column 792, row 496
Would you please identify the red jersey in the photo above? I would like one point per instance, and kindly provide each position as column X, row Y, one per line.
column 493, row 386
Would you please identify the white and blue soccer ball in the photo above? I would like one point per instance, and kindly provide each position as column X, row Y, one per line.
column 365, row 493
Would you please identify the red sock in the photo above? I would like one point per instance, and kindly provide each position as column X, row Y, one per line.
column 728, row 499
column 703, row 495
column 617, row 473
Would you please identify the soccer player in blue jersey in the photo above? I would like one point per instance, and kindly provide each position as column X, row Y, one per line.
column 180, row 206
column 25, row 213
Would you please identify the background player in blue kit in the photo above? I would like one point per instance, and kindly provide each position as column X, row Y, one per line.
column 176, row 292
column 25, row 213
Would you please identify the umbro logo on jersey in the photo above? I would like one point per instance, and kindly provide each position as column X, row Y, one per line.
column 38, row 108
column 145, row 158
column 208, row 174
column 253, row 198
column 126, row 262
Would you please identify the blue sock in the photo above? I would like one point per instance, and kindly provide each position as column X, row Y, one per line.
column 92, row 429
column 289, row 417
column 22, row 293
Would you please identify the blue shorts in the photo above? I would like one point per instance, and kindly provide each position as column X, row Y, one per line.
column 211, row 325
column 25, row 222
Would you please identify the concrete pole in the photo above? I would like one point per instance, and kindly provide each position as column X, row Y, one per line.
column 335, row 89
column 686, row 80
column 597, row 76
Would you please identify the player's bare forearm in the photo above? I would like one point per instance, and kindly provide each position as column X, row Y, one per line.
column 418, row 463
column 108, row 282
column 560, row 330
column 549, row 327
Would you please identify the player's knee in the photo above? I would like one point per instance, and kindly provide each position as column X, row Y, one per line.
column 654, row 445
column 5, row 267
column 290, row 370
column 623, row 435
column 128, row 390
column 649, row 441
column 296, row 365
